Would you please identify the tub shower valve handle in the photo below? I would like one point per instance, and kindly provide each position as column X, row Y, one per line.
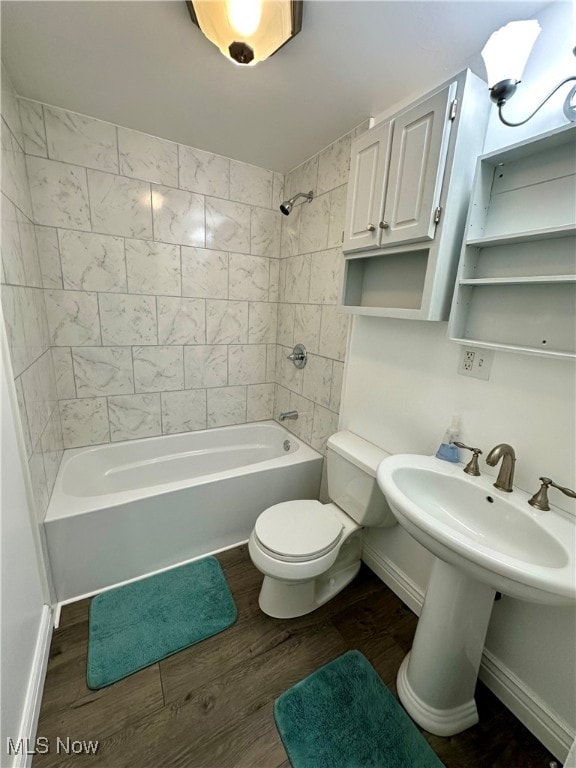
column 540, row 498
column 299, row 356
column 472, row 467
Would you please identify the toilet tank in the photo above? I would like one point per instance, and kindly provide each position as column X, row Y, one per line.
column 352, row 464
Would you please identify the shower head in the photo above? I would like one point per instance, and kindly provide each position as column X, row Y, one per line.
column 287, row 205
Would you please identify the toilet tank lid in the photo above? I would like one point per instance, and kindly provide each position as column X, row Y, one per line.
column 358, row 451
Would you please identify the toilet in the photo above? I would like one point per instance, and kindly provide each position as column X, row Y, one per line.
column 309, row 551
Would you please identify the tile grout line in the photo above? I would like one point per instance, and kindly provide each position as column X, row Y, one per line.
column 248, row 340
column 118, row 150
column 153, row 238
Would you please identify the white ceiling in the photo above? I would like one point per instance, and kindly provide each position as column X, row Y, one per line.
column 144, row 65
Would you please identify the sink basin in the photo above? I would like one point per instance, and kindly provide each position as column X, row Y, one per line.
column 484, row 540
column 494, row 536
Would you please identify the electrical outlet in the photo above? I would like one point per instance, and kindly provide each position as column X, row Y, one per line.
column 476, row 362
column 468, row 360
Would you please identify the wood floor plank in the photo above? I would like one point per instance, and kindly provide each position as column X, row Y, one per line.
column 253, row 634
column 241, row 574
column 230, row 557
column 197, row 666
column 210, row 706
column 365, row 626
column 252, row 743
column 73, row 612
column 70, row 708
column 178, row 733
column 69, row 640
column 65, row 688
column 98, row 714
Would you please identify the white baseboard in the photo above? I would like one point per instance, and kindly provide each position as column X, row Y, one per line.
column 398, row 581
column 554, row 733
column 31, row 712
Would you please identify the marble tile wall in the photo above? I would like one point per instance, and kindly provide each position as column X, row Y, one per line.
column 154, row 288
column 23, row 280
column 311, row 272
column 160, row 269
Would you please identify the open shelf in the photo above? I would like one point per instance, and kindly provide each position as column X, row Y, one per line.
column 514, row 348
column 516, row 287
column 548, row 233
column 523, row 315
column 537, row 279
column 541, row 258
column 392, row 280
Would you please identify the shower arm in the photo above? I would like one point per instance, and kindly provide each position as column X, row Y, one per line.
column 308, row 195
column 287, row 205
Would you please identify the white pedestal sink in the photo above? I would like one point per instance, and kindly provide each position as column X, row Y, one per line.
column 485, row 540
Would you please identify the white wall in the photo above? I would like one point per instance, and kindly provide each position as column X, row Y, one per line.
column 24, row 618
column 22, row 601
column 401, row 388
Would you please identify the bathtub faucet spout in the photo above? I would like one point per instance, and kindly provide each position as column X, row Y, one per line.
column 288, row 415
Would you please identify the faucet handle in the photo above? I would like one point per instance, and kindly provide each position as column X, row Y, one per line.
column 540, row 498
column 472, row 467
column 299, row 356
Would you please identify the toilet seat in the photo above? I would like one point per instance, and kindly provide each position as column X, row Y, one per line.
column 298, row 531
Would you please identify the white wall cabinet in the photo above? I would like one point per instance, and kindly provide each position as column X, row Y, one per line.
column 396, row 172
column 369, row 165
column 516, row 287
column 417, row 165
column 410, row 179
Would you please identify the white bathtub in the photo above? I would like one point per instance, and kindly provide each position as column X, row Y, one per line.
column 124, row 510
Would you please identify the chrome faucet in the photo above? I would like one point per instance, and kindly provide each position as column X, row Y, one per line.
column 288, row 415
column 505, row 477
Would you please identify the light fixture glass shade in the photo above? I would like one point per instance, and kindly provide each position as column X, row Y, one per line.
column 247, row 31
column 244, row 15
column 507, row 51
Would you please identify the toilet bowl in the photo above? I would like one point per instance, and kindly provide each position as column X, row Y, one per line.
column 309, row 551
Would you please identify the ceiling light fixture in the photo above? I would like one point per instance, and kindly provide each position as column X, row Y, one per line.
column 505, row 56
column 247, row 31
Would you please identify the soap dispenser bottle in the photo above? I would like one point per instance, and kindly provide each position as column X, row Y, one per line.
column 447, row 450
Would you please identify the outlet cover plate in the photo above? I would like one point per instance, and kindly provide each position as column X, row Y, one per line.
column 476, row 362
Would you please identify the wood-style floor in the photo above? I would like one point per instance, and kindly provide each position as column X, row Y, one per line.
column 211, row 704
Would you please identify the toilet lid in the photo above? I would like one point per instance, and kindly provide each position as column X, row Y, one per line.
column 298, row 530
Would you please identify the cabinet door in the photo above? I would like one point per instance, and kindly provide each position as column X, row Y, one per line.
column 418, row 158
column 366, row 187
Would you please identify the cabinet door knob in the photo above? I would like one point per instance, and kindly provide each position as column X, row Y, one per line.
column 370, row 228
column 384, row 225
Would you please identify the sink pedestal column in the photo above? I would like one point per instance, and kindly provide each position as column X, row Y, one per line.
column 437, row 678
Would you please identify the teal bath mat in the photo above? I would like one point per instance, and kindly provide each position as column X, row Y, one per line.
column 343, row 716
column 141, row 623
